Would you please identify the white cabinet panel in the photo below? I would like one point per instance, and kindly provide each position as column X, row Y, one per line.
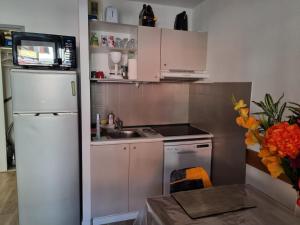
column 148, row 54
column 183, row 50
column 145, row 173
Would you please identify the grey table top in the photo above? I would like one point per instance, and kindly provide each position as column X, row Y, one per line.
column 164, row 210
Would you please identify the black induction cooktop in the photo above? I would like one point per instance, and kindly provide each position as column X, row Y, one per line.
column 178, row 130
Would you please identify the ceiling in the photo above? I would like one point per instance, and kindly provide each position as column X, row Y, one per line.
column 180, row 3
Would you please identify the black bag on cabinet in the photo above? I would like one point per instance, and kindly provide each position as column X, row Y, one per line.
column 146, row 16
column 181, row 21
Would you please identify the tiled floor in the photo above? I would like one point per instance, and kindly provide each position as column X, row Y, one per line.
column 8, row 199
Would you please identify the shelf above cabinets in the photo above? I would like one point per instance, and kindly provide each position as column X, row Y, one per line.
column 125, row 81
column 108, row 49
column 112, row 27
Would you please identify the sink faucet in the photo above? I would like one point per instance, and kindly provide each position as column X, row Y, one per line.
column 118, row 123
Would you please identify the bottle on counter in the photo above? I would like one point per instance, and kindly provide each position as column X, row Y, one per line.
column 98, row 128
column 111, row 119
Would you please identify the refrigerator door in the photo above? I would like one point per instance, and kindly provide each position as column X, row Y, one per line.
column 43, row 91
column 47, row 159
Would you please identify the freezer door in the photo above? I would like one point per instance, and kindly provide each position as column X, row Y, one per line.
column 47, row 159
column 44, row 91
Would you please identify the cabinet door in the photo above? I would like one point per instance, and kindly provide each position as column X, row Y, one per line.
column 145, row 173
column 148, row 54
column 183, row 50
column 109, row 179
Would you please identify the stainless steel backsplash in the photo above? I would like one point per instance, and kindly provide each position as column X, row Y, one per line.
column 211, row 109
column 148, row 104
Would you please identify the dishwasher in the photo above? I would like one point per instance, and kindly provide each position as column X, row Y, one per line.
column 180, row 154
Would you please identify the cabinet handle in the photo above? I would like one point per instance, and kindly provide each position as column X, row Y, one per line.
column 73, row 86
column 124, row 148
column 134, row 147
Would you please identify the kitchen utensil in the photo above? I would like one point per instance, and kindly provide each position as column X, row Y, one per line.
column 111, row 41
column 118, row 43
column 94, row 42
column 124, row 42
column 104, row 41
column 131, row 44
column 100, row 75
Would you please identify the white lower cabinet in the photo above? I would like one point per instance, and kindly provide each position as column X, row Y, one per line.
column 124, row 175
column 145, row 173
column 109, row 179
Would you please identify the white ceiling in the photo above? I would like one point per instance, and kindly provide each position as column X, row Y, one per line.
column 180, row 3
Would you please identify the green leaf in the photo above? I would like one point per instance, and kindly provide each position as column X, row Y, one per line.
column 296, row 112
column 281, row 111
column 259, row 113
column 294, row 103
column 278, row 101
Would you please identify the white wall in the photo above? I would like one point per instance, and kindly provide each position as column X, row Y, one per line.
column 44, row 16
column 129, row 12
column 258, row 41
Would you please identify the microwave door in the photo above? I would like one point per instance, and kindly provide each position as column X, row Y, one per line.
column 36, row 53
column 32, row 49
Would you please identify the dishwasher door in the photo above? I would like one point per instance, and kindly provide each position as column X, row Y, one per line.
column 180, row 155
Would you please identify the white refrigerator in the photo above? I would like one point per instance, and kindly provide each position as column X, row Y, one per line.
column 45, row 113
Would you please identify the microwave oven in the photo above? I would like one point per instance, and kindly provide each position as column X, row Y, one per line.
column 44, row 51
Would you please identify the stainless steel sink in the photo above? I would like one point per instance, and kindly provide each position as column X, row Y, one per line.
column 123, row 134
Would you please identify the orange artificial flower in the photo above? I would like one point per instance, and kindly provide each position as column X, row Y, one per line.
column 241, row 121
column 284, row 139
column 250, row 138
column 252, row 123
column 244, row 112
column 240, row 104
column 273, row 163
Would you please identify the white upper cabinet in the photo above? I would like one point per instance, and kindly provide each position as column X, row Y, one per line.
column 183, row 50
column 148, row 59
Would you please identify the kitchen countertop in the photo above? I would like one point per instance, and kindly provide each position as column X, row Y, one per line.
column 147, row 137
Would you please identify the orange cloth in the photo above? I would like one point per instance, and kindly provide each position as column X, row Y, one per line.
column 198, row 173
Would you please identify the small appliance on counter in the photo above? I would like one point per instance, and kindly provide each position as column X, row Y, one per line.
column 116, row 59
column 111, row 15
column 44, row 51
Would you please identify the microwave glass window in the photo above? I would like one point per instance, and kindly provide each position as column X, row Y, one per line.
column 36, row 53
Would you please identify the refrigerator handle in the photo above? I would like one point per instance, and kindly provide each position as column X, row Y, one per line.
column 73, row 86
column 47, row 114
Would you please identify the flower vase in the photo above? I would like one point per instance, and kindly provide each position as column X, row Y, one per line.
column 297, row 206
